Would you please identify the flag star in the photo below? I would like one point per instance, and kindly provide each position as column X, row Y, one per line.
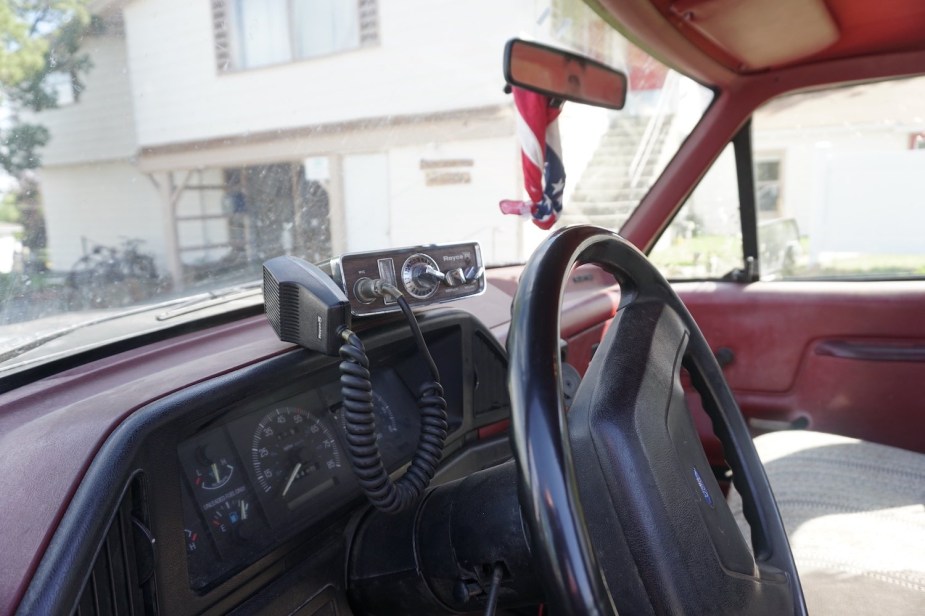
column 559, row 186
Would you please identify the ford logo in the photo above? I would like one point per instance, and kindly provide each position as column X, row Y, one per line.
column 703, row 488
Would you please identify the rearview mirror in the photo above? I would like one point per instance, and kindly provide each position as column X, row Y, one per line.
column 562, row 74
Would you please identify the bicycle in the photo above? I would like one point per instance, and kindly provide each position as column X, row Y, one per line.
column 107, row 276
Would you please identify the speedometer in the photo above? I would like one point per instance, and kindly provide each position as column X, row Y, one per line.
column 294, row 455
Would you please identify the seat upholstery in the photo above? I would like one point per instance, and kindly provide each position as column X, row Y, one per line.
column 855, row 517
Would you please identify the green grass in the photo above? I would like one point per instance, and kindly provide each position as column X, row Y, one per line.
column 711, row 256
column 866, row 266
column 708, row 256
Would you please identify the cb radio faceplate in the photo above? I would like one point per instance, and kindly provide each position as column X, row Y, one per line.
column 425, row 275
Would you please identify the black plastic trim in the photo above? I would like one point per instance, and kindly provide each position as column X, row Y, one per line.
column 748, row 216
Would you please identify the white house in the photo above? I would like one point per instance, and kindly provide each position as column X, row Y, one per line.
column 845, row 164
column 838, row 160
column 228, row 130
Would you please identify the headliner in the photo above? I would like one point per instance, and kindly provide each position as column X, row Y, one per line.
column 717, row 40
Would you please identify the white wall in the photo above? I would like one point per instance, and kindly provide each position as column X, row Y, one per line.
column 872, row 203
column 103, row 202
column 804, row 152
column 422, row 214
column 581, row 128
column 10, row 246
column 366, row 202
column 433, row 56
column 99, row 126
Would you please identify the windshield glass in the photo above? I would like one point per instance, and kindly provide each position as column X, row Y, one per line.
column 154, row 150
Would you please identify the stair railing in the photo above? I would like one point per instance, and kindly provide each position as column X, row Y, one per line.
column 653, row 128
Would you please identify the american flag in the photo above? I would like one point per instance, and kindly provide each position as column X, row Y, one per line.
column 541, row 156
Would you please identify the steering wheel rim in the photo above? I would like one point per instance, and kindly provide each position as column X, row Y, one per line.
column 686, row 507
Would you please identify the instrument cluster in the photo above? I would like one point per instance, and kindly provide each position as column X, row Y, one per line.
column 274, row 466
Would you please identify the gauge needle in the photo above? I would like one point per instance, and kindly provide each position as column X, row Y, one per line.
column 218, row 478
column 243, row 511
column 295, row 471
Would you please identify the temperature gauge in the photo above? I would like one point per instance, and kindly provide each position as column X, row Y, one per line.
column 192, row 537
column 214, row 474
column 210, row 465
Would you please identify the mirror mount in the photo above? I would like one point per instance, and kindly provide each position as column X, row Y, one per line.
column 563, row 75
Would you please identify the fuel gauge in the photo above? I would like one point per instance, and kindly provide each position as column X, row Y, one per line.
column 234, row 518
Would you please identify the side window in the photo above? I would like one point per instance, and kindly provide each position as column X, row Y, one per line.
column 838, row 182
column 704, row 241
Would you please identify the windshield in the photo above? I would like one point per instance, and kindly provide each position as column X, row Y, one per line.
column 154, row 150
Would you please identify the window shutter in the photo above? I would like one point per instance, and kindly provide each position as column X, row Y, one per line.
column 220, row 30
column 369, row 22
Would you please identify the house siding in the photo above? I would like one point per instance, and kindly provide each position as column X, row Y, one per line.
column 105, row 203
column 806, row 157
column 180, row 96
column 99, row 126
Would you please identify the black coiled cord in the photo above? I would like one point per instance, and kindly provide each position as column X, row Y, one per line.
column 360, row 422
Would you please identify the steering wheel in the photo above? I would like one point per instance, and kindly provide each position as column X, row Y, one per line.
column 623, row 508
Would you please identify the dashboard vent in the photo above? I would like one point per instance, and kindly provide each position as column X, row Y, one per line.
column 491, row 377
column 122, row 577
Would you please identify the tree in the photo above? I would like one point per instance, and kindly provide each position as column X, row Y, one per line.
column 38, row 38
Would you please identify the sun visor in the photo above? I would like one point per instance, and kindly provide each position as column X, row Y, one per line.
column 760, row 34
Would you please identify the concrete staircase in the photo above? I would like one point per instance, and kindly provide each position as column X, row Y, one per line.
column 605, row 194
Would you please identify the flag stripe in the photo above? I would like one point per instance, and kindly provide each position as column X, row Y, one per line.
column 541, row 156
column 529, row 143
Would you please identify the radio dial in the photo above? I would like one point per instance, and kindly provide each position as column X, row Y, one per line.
column 421, row 276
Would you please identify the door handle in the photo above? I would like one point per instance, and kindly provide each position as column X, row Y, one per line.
column 871, row 351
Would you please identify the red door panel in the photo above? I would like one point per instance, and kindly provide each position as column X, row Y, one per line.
column 843, row 357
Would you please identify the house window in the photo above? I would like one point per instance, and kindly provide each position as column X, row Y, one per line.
column 767, row 187
column 62, row 87
column 277, row 209
column 254, row 33
column 228, row 217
